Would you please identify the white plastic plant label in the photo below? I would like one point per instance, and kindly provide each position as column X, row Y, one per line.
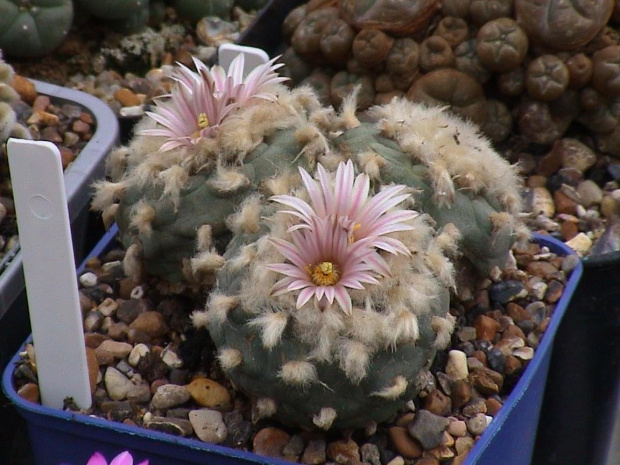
column 49, row 272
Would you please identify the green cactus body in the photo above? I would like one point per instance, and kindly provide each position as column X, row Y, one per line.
column 171, row 239
column 306, row 378
column 113, row 9
column 35, row 27
column 195, row 10
column 249, row 5
column 481, row 242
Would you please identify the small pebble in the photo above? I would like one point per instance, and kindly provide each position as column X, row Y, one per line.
column 270, row 441
column 117, row 384
column 210, row 394
column 208, row 425
column 169, row 395
column 88, row 279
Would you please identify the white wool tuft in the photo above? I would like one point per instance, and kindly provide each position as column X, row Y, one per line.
column 142, row 217
column 218, row 307
column 394, row 391
column 206, row 262
column 265, row 407
column 229, row 180
column 325, row 418
column 204, row 238
column 229, row 358
column 272, row 325
column 354, row 359
column 247, row 218
column 443, row 327
column 298, row 373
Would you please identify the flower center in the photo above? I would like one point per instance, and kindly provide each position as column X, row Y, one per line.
column 325, row 274
column 203, row 121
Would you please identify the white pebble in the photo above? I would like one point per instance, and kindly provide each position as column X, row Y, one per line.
column 137, row 292
column 524, row 353
column 171, row 358
column 456, row 367
column 581, row 243
column 117, row 385
column 88, row 279
column 139, row 351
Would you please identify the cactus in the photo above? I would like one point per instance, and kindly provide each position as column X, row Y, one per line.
column 251, row 5
column 329, row 296
column 35, row 27
column 195, row 10
column 127, row 16
column 347, row 348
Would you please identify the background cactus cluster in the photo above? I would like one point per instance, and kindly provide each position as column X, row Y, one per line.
column 32, row 28
column 192, row 202
column 534, row 69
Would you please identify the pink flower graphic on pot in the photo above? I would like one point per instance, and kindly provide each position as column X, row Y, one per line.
column 124, row 458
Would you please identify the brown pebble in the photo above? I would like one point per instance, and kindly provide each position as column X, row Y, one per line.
column 157, row 383
column 461, row 393
column 66, row 156
column 540, row 268
column 43, row 118
column 25, row 88
column 517, row 313
column 343, row 451
column 438, row 403
column 29, row 392
column 513, row 365
column 493, row 406
column 405, row 419
column 80, row 128
column 554, row 291
column 484, row 383
column 563, row 203
column 126, row 97
column 87, row 118
column 94, row 340
column 270, row 441
column 104, row 357
column 151, row 323
column 314, row 452
column 404, row 443
column 486, row 328
column 93, row 368
column 480, row 356
column 41, row 102
column 514, row 331
column 568, row 230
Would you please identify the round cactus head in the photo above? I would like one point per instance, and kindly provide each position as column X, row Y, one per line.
column 331, row 309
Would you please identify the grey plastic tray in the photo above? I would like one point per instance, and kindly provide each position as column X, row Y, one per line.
column 79, row 176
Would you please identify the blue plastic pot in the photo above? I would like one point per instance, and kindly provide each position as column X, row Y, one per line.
column 59, row 436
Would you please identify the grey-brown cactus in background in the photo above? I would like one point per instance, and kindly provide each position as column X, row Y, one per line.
column 531, row 61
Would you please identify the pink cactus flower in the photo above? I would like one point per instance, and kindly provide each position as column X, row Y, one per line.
column 335, row 246
column 201, row 100
column 358, row 212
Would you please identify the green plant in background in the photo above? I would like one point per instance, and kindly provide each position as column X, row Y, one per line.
column 33, row 27
column 123, row 15
column 9, row 126
column 328, row 308
column 194, row 10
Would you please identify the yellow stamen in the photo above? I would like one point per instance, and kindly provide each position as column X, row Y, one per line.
column 325, row 274
column 203, row 121
column 352, row 236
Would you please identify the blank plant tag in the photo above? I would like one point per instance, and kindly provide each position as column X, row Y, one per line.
column 49, row 272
